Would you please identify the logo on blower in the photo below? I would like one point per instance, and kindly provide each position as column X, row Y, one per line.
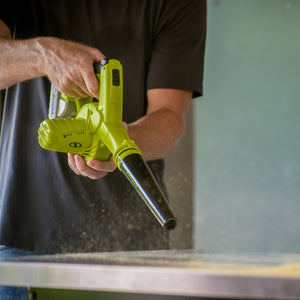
column 75, row 145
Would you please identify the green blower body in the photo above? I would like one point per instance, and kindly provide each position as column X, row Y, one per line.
column 94, row 129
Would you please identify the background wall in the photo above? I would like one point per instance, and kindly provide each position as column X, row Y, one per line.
column 179, row 179
column 247, row 129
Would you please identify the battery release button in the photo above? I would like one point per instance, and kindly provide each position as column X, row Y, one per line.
column 116, row 77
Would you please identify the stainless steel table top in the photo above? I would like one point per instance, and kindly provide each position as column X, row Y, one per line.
column 186, row 273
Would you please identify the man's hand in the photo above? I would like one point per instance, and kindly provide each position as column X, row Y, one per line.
column 69, row 66
column 94, row 169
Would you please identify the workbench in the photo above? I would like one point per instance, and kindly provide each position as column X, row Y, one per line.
column 173, row 273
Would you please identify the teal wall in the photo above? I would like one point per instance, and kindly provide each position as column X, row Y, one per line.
column 247, row 129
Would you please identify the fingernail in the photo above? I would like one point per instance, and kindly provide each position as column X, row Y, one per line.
column 91, row 164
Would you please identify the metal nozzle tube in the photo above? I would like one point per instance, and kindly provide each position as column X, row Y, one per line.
column 139, row 174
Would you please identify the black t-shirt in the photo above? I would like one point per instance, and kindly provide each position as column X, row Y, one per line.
column 45, row 207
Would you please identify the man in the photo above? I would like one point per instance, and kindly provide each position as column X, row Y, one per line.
column 54, row 204
column 51, row 203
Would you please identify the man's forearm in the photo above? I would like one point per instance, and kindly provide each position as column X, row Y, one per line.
column 157, row 133
column 19, row 61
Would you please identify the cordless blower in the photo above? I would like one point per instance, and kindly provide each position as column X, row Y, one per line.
column 94, row 129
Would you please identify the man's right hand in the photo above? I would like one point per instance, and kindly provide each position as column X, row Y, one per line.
column 68, row 65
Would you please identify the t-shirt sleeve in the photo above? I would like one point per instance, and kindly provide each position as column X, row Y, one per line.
column 178, row 45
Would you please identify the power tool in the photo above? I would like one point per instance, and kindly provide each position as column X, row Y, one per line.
column 94, row 129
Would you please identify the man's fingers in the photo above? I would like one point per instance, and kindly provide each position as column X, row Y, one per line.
column 72, row 163
column 106, row 166
column 87, row 171
column 94, row 170
column 91, row 84
column 77, row 89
